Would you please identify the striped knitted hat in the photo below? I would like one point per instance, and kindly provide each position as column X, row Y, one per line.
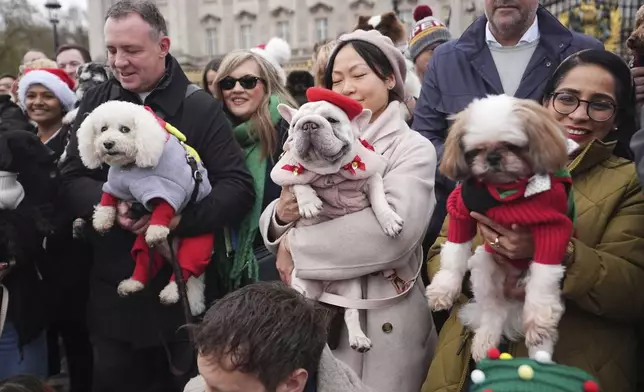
column 426, row 32
column 502, row 373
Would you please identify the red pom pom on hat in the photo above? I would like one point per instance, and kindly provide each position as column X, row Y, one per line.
column 591, row 386
column 493, row 353
column 422, row 11
column 350, row 106
column 261, row 46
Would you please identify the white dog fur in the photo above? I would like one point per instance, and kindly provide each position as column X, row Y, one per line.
column 141, row 140
column 491, row 315
column 341, row 139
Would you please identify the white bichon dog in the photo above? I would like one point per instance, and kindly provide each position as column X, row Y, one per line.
column 333, row 172
column 149, row 164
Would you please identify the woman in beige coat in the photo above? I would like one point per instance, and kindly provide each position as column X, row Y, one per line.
column 367, row 67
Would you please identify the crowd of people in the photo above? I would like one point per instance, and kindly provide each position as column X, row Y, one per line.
column 61, row 310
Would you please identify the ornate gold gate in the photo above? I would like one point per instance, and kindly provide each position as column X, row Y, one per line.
column 610, row 21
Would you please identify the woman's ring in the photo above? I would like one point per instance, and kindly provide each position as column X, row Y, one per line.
column 496, row 243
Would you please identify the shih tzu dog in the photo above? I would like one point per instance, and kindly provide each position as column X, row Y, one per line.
column 88, row 75
column 333, row 172
column 509, row 156
column 151, row 165
column 635, row 42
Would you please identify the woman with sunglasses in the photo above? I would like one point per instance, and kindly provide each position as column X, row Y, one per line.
column 250, row 88
column 591, row 94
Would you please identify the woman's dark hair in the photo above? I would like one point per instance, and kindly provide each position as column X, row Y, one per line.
column 213, row 65
column 24, row 383
column 372, row 55
column 297, row 83
column 625, row 117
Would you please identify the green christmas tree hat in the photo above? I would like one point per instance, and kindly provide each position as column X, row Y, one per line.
column 502, row 373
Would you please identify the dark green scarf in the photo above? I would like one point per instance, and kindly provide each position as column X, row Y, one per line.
column 249, row 141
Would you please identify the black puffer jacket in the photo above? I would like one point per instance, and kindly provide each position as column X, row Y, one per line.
column 11, row 115
column 23, row 230
column 141, row 319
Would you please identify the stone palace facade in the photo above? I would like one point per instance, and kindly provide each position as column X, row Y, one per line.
column 204, row 29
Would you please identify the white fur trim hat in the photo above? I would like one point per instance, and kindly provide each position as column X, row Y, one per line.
column 54, row 79
column 277, row 52
column 11, row 191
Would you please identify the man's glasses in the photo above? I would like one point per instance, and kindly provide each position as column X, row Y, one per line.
column 247, row 82
column 600, row 111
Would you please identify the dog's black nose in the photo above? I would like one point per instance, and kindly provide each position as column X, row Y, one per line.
column 630, row 43
column 493, row 158
column 310, row 126
column 108, row 145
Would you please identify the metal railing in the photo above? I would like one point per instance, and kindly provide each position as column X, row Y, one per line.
column 610, row 21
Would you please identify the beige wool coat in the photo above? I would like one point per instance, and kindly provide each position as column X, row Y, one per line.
column 354, row 246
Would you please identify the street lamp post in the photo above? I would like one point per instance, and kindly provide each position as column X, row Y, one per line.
column 395, row 4
column 53, row 6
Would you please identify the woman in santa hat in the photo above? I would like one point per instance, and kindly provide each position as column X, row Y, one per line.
column 47, row 94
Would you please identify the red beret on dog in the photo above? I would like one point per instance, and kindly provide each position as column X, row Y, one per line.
column 350, row 106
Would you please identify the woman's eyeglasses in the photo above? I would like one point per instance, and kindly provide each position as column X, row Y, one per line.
column 600, row 111
column 247, row 82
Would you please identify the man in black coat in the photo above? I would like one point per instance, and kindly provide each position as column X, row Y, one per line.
column 137, row 344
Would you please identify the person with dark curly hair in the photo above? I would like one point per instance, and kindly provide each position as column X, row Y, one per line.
column 24, row 383
column 268, row 337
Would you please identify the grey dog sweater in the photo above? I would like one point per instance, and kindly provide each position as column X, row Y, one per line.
column 171, row 180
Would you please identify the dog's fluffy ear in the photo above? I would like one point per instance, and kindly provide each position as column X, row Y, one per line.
column 453, row 164
column 149, row 137
column 547, row 140
column 87, row 132
column 287, row 112
column 362, row 120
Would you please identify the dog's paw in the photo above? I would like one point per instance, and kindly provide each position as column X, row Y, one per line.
column 392, row 224
column 170, row 294
column 311, row 207
column 129, row 286
column 156, row 234
column 360, row 342
column 481, row 343
column 540, row 322
column 539, row 330
column 443, row 290
column 196, row 297
column 103, row 219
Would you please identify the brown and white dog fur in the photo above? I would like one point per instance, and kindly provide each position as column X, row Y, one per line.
column 324, row 141
column 529, row 142
column 635, row 42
